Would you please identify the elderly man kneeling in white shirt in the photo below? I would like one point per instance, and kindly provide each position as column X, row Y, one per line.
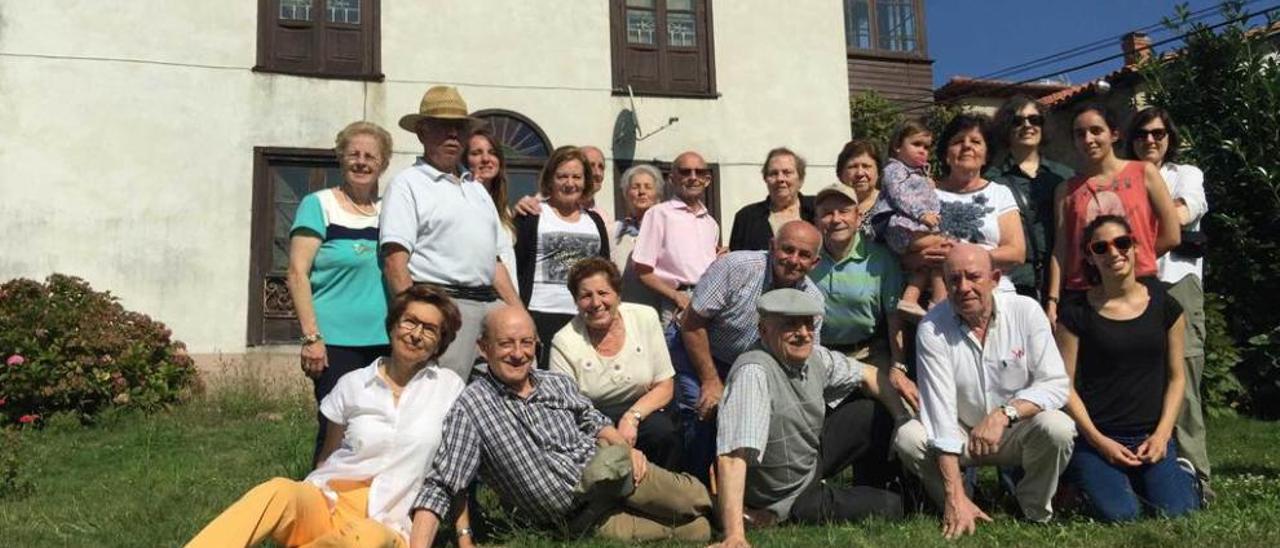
column 992, row 386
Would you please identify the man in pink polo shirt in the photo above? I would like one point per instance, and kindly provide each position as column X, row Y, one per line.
column 678, row 237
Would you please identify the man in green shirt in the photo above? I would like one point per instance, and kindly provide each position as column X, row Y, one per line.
column 861, row 282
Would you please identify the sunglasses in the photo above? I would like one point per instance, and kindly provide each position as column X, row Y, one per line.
column 1033, row 119
column 1121, row 243
column 700, row 173
column 1158, row 134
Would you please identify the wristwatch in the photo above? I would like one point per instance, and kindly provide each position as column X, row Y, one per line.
column 1011, row 412
column 637, row 416
column 312, row 338
column 464, row 532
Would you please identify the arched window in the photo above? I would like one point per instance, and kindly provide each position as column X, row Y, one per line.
column 525, row 146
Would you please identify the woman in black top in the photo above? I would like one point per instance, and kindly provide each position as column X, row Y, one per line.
column 755, row 224
column 1121, row 342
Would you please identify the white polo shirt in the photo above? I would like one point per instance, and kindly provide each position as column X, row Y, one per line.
column 390, row 444
column 448, row 224
column 1186, row 183
column 962, row 379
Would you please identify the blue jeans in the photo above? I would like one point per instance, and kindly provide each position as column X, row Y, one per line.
column 1118, row 493
column 699, row 435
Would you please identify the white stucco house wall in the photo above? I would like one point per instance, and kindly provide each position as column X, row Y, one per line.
column 131, row 129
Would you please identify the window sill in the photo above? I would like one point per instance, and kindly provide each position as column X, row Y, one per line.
column 668, row 94
column 375, row 77
column 876, row 54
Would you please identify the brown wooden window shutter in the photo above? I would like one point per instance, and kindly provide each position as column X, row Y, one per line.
column 322, row 38
column 663, row 47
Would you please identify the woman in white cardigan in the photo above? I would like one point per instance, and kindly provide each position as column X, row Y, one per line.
column 618, row 356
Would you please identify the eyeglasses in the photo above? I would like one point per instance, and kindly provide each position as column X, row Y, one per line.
column 355, row 156
column 699, row 172
column 1121, row 243
column 415, row 326
column 1036, row 120
column 1158, row 134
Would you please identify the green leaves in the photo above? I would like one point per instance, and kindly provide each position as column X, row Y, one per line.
column 1223, row 90
column 68, row 348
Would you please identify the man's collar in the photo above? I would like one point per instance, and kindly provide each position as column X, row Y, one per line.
column 436, row 175
column 789, row 370
column 505, row 390
column 857, row 252
column 995, row 312
column 679, row 204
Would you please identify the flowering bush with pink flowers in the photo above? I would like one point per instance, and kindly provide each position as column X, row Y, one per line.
column 68, row 348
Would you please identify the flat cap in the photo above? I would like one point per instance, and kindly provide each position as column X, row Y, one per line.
column 789, row 302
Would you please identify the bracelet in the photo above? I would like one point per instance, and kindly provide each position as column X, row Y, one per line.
column 464, row 532
column 312, row 338
column 900, row 367
column 1051, row 299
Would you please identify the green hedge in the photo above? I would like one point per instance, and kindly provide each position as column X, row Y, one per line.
column 68, row 348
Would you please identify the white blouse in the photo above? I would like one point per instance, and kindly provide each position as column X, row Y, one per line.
column 387, row 443
column 623, row 377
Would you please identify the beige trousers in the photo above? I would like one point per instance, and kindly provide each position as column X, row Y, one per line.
column 1041, row 445
column 664, row 505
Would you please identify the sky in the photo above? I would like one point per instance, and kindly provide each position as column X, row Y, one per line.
column 976, row 38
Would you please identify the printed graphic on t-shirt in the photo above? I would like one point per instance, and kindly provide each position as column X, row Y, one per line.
column 1104, row 202
column 563, row 249
column 963, row 220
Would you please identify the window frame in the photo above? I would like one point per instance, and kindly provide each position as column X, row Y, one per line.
column 922, row 46
column 370, row 29
column 262, row 327
column 526, row 164
column 703, row 21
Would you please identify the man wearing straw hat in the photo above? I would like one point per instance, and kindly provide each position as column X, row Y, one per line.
column 439, row 226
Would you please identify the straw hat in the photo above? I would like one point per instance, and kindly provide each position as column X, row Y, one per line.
column 443, row 102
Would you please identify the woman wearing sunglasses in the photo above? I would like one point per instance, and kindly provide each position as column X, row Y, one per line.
column 1019, row 135
column 1106, row 185
column 1152, row 137
column 1122, row 346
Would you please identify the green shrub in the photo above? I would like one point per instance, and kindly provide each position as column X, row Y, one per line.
column 1223, row 89
column 68, row 348
column 873, row 117
column 1220, row 389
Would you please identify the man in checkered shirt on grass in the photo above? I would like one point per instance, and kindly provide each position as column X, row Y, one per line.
column 539, row 443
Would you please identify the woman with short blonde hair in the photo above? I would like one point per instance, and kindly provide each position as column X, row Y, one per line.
column 334, row 276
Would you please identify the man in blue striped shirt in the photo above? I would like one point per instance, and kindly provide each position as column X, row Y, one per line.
column 721, row 323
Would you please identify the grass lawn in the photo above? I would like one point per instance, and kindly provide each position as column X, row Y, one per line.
column 155, row 481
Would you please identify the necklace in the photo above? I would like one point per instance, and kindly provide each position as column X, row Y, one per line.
column 370, row 212
column 396, row 389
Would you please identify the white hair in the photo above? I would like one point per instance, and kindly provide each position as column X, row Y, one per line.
column 624, row 182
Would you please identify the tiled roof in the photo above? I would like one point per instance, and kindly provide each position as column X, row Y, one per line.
column 963, row 86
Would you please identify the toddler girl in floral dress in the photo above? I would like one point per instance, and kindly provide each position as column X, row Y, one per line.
column 908, row 213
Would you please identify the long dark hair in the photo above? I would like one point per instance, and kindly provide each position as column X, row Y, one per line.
column 1091, row 273
column 498, row 186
